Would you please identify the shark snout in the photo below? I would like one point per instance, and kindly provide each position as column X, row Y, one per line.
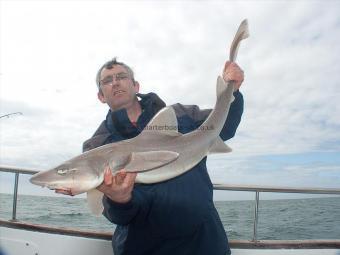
column 41, row 179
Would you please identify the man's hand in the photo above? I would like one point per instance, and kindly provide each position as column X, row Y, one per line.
column 232, row 72
column 119, row 187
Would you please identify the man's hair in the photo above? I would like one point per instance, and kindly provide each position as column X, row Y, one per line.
column 109, row 65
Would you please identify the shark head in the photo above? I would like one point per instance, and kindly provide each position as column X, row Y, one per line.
column 75, row 177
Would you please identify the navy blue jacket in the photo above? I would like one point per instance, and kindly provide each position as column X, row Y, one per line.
column 176, row 216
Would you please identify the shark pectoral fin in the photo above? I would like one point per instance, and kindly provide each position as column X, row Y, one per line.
column 94, row 200
column 219, row 147
column 144, row 161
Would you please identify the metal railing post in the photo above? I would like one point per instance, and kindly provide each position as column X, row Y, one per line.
column 15, row 197
column 256, row 215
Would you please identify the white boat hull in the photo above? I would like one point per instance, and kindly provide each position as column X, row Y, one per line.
column 16, row 241
column 25, row 242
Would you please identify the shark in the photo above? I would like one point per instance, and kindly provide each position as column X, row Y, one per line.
column 157, row 154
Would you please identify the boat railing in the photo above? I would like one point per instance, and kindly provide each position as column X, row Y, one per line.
column 256, row 189
column 17, row 171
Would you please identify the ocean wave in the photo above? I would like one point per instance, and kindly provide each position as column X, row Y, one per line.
column 54, row 216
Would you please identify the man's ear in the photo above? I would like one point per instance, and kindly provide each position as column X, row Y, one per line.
column 101, row 97
column 136, row 84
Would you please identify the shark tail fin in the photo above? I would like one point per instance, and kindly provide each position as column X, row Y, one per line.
column 242, row 33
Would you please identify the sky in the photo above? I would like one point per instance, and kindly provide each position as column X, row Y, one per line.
column 290, row 130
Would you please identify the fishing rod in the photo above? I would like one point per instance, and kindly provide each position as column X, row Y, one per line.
column 9, row 114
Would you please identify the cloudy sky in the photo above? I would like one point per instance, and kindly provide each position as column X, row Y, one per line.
column 290, row 131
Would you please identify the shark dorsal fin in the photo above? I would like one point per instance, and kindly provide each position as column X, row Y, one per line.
column 164, row 122
column 221, row 86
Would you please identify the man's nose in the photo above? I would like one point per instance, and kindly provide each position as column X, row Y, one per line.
column 115, row 82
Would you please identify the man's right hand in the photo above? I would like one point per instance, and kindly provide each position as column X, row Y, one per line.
column 118, row 187
column 232, row 72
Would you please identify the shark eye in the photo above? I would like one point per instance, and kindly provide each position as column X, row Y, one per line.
column 62, row 171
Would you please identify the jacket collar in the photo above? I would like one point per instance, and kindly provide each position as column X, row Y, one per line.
column 118, row 122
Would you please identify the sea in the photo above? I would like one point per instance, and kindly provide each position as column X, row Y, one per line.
column 308, row 218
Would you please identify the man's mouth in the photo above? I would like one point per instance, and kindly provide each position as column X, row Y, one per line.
column 118, row 92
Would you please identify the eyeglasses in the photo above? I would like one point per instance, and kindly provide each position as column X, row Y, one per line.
column 108, row 80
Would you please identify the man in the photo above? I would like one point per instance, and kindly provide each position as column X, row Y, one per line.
column 172, row 217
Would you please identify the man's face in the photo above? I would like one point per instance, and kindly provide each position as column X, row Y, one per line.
column 117, row 88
